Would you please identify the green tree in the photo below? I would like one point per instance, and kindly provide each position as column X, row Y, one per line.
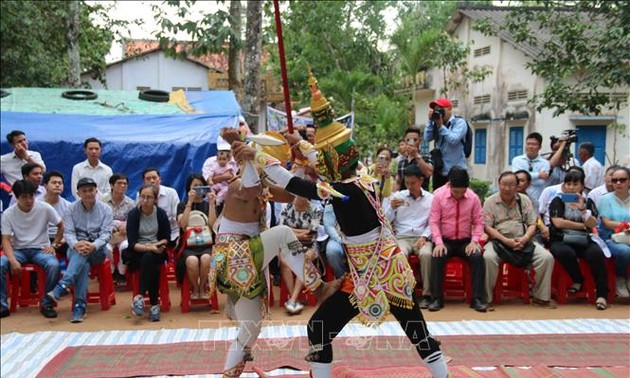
column 583, row 55
column 34, row 42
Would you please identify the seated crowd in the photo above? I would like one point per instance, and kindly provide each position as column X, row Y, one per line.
column 527, row 223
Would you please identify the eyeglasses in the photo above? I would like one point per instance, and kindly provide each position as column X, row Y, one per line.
column 508, row 186
column 619, row 180
column 147, row 198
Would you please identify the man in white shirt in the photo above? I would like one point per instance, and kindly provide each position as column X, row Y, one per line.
column 93, row 168
column 593, row 169
column 607, row 187
column 11, row 163
column 32, row 172
column 537, row 166
column 408, row 211
column 25, row 239
column 53, row 182
column 168, row 199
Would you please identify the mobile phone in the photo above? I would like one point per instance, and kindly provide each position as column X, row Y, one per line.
column 570, row 197
column 202, row 189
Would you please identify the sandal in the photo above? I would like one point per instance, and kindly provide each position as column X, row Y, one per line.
column 574, row 288
column 600, row 304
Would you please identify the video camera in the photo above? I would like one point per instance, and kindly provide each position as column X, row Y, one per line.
column 437, row 114
column 569, row 135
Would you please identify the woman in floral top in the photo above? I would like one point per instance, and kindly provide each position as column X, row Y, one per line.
column 304, row 218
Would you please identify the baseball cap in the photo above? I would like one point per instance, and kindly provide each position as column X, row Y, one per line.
column 442, row 102
column 86, row 181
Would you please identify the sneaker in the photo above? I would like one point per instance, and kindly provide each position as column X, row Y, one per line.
column 4, row 312
column 59, row 291
column 48, row 312
column 154, row 313
column 424, row 302
column 78, row 313
column 137, row 305
column 622, row 288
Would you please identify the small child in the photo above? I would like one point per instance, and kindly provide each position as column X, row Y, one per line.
column 223, row 165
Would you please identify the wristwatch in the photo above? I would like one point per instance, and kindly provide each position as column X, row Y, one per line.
column 56, row 245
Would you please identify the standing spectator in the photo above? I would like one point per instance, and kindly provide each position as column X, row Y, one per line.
column 334, row 248
column 449, row 134
column 456, row 222
column 560, row 160
column 11, row 163
column 53, row 182
column 411, row 152
column 121, row 205
column 32, row 172
column 25, row 239
column 167, row 199
column 408, row 212
column 148, row 233
column 88, row 230
column 382, row 173
column 536, row 165
column 93, row 168
column 577, row 216
column 303, row 218
column 195, row 260
column 614, row 209
column 605, row 188
column 510, row 220
column 592, row 168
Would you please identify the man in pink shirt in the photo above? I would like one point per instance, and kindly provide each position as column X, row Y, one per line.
column 456, row 223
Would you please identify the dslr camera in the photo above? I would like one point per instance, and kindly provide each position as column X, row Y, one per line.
column 569, row 135
column 437, row 114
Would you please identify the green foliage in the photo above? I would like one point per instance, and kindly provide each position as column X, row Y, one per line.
column 480, row 187
column 211, row 34
column 421, row 43
column 584, row 51
column 34, row 46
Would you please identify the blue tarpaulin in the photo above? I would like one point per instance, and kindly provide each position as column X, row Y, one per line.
column 177, row 144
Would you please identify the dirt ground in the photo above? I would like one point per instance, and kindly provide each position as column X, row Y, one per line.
column 118, row 317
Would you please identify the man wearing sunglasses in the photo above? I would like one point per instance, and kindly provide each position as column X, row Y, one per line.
column 535, row 164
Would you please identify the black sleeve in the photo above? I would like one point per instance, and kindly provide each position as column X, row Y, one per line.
column 302, row 188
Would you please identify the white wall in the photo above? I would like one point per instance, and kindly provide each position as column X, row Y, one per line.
column 153, row 70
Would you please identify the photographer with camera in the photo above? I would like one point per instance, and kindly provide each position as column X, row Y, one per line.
column 411, row 155
column 449, row 134
column 560, row 157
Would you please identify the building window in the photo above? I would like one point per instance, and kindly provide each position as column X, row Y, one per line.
column 485, row 99
column 517, row 95
column 480, row 146
column 455, row 103
column 515, row 147
column 193, row 88
column 481, row 51
column 143, row 88
column 178, row 88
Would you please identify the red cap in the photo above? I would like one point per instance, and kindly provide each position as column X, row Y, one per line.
column 442, row 102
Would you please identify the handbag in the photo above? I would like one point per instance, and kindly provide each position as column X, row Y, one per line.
column 520, row 258
column 575, row 238
column 198, row 232
column 621, row 238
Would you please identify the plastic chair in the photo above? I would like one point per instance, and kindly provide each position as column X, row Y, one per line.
column 187, row 301
column 106, row 294
column 164, row 297
column 305, row 296
column 512, row 282
column 561, row 282
column 21, row 287
column 457, row 280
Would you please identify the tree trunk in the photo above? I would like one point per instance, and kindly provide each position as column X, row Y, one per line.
column 235, row 75
column 253, row 41
column 74, row 56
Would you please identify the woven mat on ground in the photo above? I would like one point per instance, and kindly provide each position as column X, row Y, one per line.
column 574, row 350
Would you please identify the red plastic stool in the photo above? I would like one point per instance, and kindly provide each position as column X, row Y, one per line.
column 187, row 301
column 105, row 295
column 165, row 300
column 21, row 287
column 512, row 282
column 414, row 263
column 457, row 280
column 305, row 296
column 562, row 281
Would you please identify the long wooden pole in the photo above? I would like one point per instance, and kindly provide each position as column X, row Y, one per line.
column 283, row 67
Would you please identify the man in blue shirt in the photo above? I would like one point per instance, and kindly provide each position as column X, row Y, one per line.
column 536, row 165
column 88, row 230
column 449, row 133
